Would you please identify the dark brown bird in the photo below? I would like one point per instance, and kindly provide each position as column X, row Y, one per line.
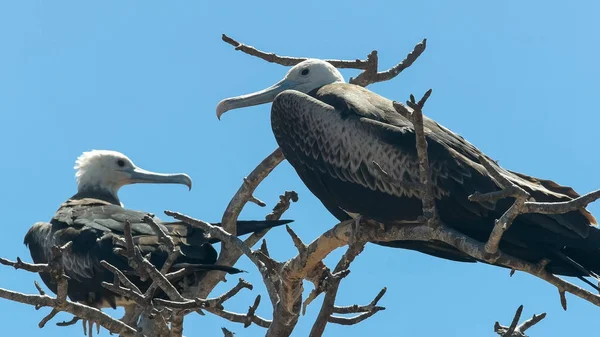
column 94, row 220
column 331, row 132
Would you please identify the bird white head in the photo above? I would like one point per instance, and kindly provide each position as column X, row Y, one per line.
column 107, row 171
column 304, row 77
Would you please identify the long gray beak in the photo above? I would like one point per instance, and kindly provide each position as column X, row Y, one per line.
column 139, row 175
column 260, row 97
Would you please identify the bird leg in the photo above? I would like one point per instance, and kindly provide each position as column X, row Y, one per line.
column 355, row 230
column 88, row 325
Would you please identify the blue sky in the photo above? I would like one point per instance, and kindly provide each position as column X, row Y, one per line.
column 517, row 79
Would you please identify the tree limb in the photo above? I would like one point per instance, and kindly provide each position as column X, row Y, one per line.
column 368, row 76
column 228, row 256
column 518, row 331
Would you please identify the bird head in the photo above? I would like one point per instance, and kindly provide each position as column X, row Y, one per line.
column 110, row 170
column 304, row 77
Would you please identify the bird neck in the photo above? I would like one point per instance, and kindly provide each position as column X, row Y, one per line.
column 96, row 192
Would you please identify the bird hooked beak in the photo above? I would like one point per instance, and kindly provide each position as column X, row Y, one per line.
column 260, row 97
column 138, row 175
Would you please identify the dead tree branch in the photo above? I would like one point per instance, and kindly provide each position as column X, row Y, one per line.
column 518, row 331
column 369, row 67
column 416, row 118
column 331, row 286
column 60, row 302
column 228, row 256
column 233, row 241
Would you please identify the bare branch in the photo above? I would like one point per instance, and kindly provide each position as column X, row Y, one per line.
column 227, row 333
column 332, row 286
column 369, row 77
column 242, row 284
column 416, row 118
column 515, row 330
column 244, row 194
column 561, row 207
column 233, row 241
column 19, row 264
column 369, row 66
column 73, row 321
column 563, row 299
column 228, row 257
column 353, row 309
column 91, row 314
column 297, row 241
column 240, row 318
column 215, row 306
column 287, row 60
column 257, row 201
column 283, row 205
column 356, row 319
column 39, row 288
column 167, row 241
column 48, row 317
column 217, row 232
column 121, row 277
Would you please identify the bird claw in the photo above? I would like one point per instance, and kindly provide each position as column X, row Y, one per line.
column 89, row 326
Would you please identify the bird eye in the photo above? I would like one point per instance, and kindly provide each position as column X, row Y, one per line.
column 305, row 72
column 121, row 162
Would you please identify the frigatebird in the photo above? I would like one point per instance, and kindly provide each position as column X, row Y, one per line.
column 94, row 220
column 333, row 133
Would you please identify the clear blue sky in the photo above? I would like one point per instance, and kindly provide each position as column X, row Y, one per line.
column 517, row 79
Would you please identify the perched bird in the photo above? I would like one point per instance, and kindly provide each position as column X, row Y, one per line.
column 332, row 132
column 94, row 220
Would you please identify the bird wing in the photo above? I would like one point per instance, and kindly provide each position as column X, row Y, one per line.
column 102, row 216
column 374, row 132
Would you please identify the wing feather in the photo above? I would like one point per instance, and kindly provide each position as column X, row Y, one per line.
column 345, row 128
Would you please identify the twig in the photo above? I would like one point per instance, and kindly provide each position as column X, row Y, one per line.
column 144, row 267
column 39, row 288
column 353, row 309
column 369, row 66
column 88, row 313
column 19, row 264
column 369, row 77
column 207, row 303
column 287, row 60
column 216, row 232
column 242, row 284
column 561, row 207
column 257, row 201
column 121, row 277
column 416, row 118
column 227, row 333
column 215, row 306
column 228, row 257
column 167, row 240
column 233, row 241
column 340, row 271
column 518, row 331
column 241, row 318
column 283, row 205
column 73, row 321
column 563, row 299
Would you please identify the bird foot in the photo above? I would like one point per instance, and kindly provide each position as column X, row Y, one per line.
column 89, row 326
